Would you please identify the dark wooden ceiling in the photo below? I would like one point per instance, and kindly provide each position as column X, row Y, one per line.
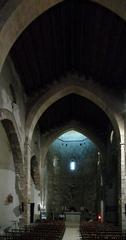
column 74, row 36
column 2, row 3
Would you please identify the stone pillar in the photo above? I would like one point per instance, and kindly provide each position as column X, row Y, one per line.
column 111, row 184
column 28, row 183
column 123, row 185
column 43, row 169
column 123, row 168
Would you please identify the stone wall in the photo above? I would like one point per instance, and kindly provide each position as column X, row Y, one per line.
column 67, row 188
column 12, row 97
column 35, row 198
column 36, row 143
column 35, row 172
column 112, row 181
column 8, row 183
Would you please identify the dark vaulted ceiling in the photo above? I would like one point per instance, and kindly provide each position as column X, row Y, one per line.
column 73, row 37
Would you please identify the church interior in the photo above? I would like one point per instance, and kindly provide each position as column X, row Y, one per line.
column 62, row 119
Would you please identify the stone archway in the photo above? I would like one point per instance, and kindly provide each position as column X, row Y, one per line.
column 9, row 125
column 15, row 18
column 53, row 134
column 67, row 151
column 92, row 93
column 74, row 85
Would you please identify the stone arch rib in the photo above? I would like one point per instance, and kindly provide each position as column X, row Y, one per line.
column 63, row 89
column 16, row 17
column 9, row 125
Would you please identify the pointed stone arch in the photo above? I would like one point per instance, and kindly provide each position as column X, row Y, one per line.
column 17, row 15
column 10, row 127
column 54, row 133
column 73, row 85
column 72, row 125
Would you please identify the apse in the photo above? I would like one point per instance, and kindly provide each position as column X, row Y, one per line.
column 72, row 178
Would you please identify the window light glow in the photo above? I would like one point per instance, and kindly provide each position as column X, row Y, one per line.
column 72, row 165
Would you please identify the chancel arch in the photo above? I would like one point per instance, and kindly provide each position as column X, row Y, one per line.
column 50, row 136
column 95, row 95
column 105, row 162
column 71, row 148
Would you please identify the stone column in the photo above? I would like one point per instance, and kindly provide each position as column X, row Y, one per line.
column 111, row 184
column 43, row 158
column 28, row 183
column 123, row 185
column 123, row 167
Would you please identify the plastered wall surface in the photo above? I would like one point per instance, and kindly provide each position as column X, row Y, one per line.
column 9, row 211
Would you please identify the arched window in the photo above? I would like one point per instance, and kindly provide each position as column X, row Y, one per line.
column 72, row 165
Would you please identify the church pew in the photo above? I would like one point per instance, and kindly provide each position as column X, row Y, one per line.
column 42, row 231
column 99, row 231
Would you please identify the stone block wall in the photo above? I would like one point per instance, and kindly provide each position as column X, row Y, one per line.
column 8, row 184
column 67, row 188
column 12, row 97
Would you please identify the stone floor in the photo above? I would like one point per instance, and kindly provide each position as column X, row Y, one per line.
column 71, row 234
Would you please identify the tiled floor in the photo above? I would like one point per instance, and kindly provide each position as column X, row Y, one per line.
column 71, row 234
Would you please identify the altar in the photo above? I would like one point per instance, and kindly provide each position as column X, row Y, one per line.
column 72, row 219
